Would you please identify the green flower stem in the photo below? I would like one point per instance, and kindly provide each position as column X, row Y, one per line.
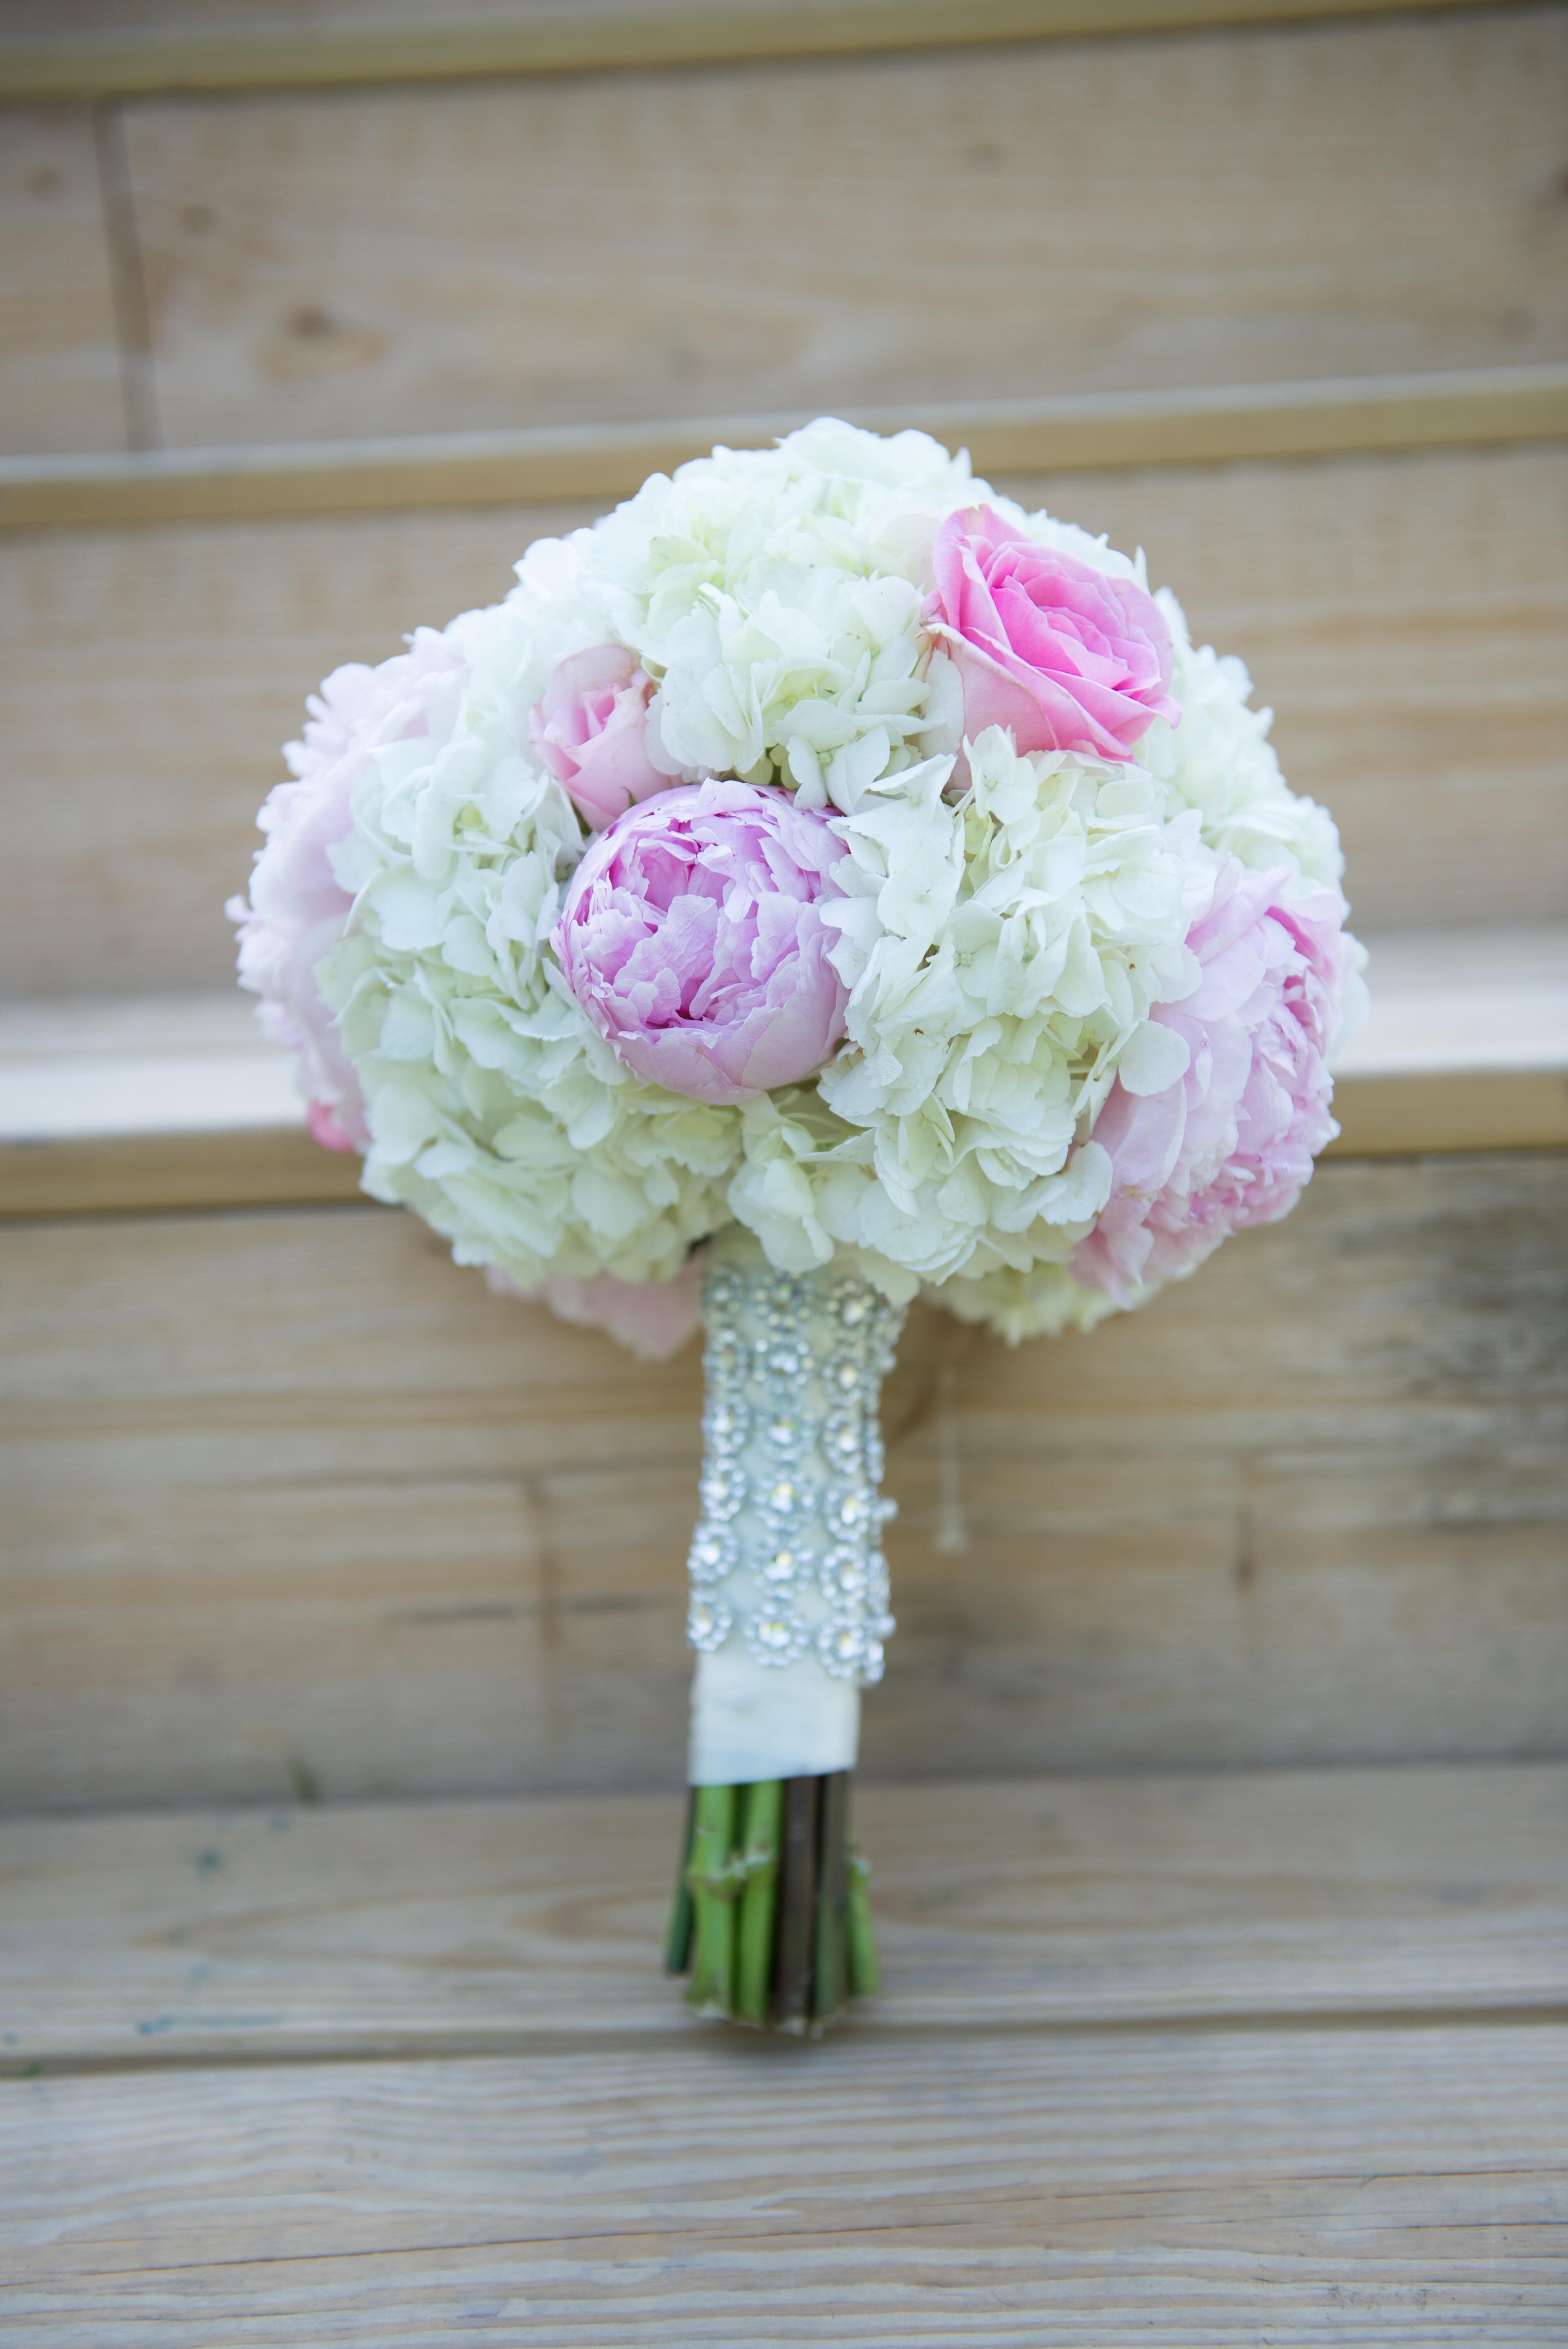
column 714, row 1883
column 859, row 1933
column 758, row 1900
column 678, row 1931
column 772, row 1913
column 829, row 1987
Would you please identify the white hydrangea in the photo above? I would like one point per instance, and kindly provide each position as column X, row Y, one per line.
column 1002, row 940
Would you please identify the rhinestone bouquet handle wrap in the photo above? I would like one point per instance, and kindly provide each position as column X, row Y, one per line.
column 789, row 1608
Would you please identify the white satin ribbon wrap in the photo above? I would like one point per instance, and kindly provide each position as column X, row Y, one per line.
column 750, row 1720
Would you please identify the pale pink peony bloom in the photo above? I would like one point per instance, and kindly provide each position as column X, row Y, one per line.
column 1232, row 1142
column 296, row 909
column 590, row 732
column 692, row 938
column 653, row 1319
column 1068, row 657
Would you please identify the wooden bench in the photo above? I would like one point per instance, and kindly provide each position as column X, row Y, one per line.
column 1216, row 1792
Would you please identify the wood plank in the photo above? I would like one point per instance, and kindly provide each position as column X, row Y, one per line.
column 1179, row 2189
column 59, row 358
column 1375, row 599
column 292, row 1501
column 180, row 1101
column 298, row 1933
column 69, row 47
column 1223, row 425
column 738, row 238
column 1191, row 2062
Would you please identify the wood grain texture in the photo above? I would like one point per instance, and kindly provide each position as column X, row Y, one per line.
column 149, row 674
column 1207, row 2060
column 1225, row 424
column 59, row 355
column 505, row 1927
column 1374, row 198
column 292, row 1502
column 98, row 45
column 993, row 2189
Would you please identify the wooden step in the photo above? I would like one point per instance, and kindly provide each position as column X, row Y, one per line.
column 1026, row 1905
column 328, row 264
column 291, row 1500
column 180, row 1101
column 1192, row 2062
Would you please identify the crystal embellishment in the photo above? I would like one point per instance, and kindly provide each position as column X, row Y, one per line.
column 786, row 1557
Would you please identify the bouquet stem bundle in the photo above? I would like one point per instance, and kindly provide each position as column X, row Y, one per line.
column 787, row 1614
column 770, row 1915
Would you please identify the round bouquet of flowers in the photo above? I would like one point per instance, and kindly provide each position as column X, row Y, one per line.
column 821, row 883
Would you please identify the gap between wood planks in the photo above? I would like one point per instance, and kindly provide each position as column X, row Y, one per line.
column 534, row 2046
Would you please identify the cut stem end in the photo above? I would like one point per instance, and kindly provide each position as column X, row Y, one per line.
column 770, row 1914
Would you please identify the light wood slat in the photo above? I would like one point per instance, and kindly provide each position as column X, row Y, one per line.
column 181, row 1101
column 1226, row 425
column 1184, row 2190
column 289, row 1499
column 59, row 354
column 336, row 265
column 298, row 1933
column 1405, row 617
column 84, row 48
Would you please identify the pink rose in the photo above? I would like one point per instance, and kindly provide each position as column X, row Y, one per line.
column 691, row 937
column 1232, row 1142
column 1066, row 656
column 296, row 909
column 591, row 731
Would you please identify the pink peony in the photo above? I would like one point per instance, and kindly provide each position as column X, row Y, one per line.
column 1068, row 657
column 296, row 909
column 1232, row 1140
column 691, row 938
column 591, row 728
column 653, row 1319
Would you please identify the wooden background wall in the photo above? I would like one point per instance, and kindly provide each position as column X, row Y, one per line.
column 290, row 1502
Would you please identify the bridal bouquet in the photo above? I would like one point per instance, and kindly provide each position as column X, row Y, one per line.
column 819, row 884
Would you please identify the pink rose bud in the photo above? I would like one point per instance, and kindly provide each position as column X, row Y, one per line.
column 591, row 731
column 1068, row 657
column 1231, row 1141
column 691, row 938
